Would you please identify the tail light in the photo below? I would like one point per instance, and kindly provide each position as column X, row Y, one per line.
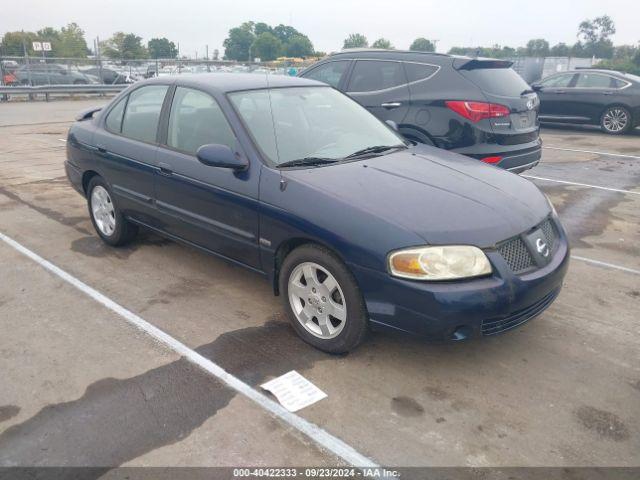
column 476, row 111
column 491, row 159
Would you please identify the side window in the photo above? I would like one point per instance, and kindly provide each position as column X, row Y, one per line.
column 419, row 71
column 592, row 80
column 114, row 119
column 560, row 81
column 617, row 83
column 330, row 73
column 196, row 120
column 142, row 114
column 371, row 75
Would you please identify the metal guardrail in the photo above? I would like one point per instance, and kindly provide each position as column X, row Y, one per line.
column 53, row 89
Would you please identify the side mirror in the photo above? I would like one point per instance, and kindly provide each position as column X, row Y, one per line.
column 216, row 155
column 392, row 124
column 536, row 87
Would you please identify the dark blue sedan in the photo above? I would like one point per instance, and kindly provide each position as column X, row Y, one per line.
column 354, row 227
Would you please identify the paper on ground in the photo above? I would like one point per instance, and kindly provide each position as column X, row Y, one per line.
column 293, row 391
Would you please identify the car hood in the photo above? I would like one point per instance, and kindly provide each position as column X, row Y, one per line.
column 442, row 197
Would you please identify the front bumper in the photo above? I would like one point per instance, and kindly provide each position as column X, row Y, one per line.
column 459, row 310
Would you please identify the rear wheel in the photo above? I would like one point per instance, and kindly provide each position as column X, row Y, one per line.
column 322, row 300
column 107, row 219
column 615, row 120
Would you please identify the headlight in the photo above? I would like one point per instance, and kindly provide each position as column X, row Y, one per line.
column 439, row 263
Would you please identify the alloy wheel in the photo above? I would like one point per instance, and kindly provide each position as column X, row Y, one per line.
column 103, row 210
column 615, row 120
column 317, row 300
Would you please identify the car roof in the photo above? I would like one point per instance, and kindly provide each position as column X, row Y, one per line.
column 595, row 70
column 222, row 82
column 407, row 55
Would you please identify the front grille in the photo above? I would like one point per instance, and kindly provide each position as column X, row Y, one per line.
column 494, row 326
column 550, row 232
column 517, row 255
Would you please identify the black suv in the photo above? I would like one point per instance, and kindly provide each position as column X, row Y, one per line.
column 474, row 106
column 595, row 97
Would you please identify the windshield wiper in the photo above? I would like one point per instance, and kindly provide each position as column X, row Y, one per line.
column 374, row 149
column 308, row 161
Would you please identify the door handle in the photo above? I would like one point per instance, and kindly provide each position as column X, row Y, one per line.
column 390, row 105
column 101, row 148
column 607, row 93
column 165, row 169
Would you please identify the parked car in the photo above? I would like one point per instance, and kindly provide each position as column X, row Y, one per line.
column 352, row 225
column 107, row 76
column 478, row 107
column 51, row 74
column 596, row 97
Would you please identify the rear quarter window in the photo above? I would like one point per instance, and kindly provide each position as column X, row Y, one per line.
column 498, row 81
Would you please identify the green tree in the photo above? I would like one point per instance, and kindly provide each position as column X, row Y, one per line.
column 560, row 50
column 596, row 35
column 298, row 46
column 537, row 47
column 285, row 33
column 162, row 48
column 355, row 40
column 261, row 27
column 51, row 35
column 266, row 47
column 422, row 45
column 72, row 42
column 12, row 43
column 382, row 43
column 238, row 44
column 124, row 46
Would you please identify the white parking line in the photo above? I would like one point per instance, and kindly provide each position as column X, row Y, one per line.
column 315, row 433
column 609, row 154
column 581, row 184
column 606, row 264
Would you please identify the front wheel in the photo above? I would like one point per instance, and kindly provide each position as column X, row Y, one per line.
column 322, row 299
column 107, row 219
column 615, row 120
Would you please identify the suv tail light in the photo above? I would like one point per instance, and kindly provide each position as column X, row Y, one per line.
column 476, row 111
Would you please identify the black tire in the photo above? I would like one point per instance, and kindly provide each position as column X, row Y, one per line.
column 80, row 82
column 611, row 110
column 124, row 231
column 356, row 324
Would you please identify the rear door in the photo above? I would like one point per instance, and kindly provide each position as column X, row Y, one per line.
column 501, row 85
column 593, row 91
column 127, row 148
column 381, row 87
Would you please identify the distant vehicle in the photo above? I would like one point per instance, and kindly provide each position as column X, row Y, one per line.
column 477, row 107
column 596, row 97
column 108, row 76
column 51, row 74
column 354, row 226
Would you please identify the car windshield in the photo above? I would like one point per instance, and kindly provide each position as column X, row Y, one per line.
column 301, row 125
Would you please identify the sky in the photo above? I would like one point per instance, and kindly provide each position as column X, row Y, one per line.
column 196, row 23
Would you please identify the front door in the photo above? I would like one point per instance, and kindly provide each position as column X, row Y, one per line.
column 381, row 87
column 215, row 208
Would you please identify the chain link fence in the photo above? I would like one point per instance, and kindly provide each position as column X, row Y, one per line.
column 43, row 71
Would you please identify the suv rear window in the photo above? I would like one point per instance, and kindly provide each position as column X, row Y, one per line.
column 498, row 81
